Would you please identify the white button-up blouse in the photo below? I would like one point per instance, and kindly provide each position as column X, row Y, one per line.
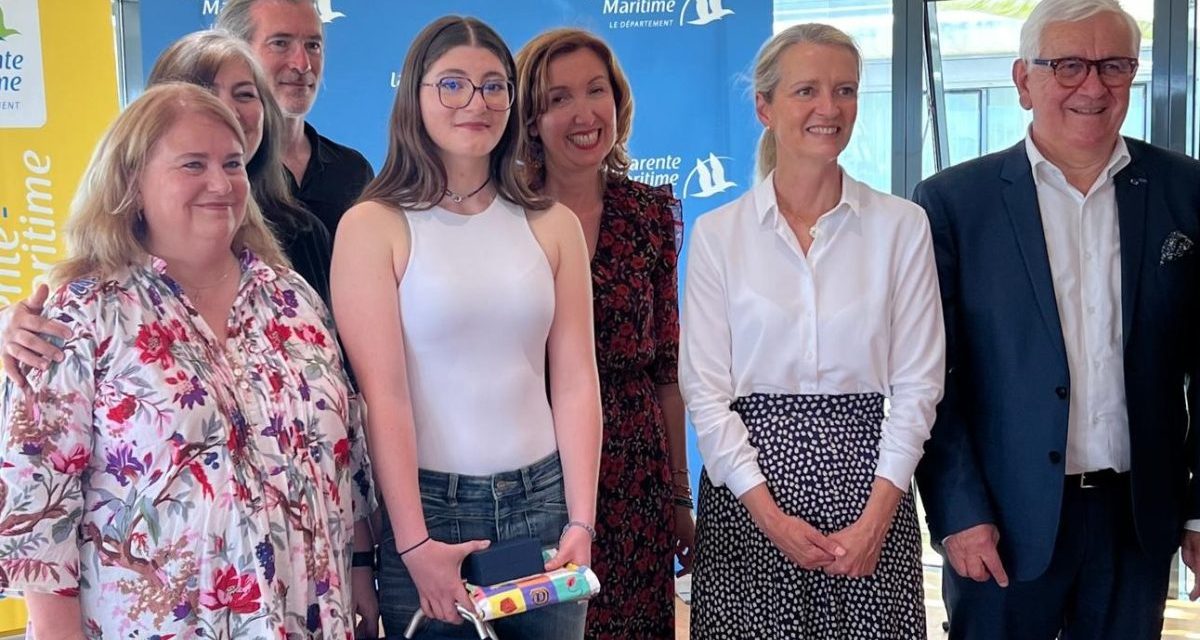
column 860, row 313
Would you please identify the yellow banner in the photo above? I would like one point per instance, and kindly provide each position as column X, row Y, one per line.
column 58, row 91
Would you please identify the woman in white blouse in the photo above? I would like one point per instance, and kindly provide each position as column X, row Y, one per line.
column 809, row 301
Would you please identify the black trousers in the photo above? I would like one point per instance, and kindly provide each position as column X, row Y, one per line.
column 1099, row 585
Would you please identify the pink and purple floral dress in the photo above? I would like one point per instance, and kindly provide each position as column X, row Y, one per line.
column 181, row 487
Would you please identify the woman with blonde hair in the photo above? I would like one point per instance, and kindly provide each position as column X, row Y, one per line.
column 576, row 112
column 226, row 66
column 191, row 466
column 809, row 301
column 453, row 285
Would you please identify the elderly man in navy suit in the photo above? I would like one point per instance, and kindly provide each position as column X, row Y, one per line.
column 1058, row 478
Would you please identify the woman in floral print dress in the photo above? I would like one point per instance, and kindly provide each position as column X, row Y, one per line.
column 193, row 467
column 578, row 109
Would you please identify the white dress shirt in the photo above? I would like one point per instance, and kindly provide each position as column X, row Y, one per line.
column 1084, row 246
column 860, row 313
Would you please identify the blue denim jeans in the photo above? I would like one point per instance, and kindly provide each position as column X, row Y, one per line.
column 525, row 502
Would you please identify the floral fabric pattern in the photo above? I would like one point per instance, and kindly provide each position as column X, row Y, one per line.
column 635, row 291
column 182, row 487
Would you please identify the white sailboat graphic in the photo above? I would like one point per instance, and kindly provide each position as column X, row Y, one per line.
column 710, row 177
column 706, row 11
column 325, row 8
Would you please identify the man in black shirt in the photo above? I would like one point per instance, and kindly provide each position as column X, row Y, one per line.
column 332, row 178
column 288, row 39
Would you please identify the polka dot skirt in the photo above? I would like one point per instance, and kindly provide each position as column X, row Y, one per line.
column 818, row 454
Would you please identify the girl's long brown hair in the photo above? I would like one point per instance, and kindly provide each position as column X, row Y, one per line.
column 413, row 177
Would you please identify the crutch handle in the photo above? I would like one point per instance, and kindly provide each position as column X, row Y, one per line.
column 482, row 628
column 413, row 625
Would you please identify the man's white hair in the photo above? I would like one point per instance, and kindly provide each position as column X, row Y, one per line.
column 1048, row 11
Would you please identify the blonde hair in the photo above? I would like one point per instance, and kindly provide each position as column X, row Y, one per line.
column 766, row 75
column 104, row 233
column 413, row 176
column 533, row 80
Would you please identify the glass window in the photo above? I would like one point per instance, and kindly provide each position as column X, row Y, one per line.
column 868, row 158
column 1006, row 120
column 1137, row 122
column 964, row 122
column 964, row 130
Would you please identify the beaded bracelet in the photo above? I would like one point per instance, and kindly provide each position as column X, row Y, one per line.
column 683, row 502
column 582, row 525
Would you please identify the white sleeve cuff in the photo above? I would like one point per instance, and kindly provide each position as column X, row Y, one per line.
column 897, row 469
column 744, row 478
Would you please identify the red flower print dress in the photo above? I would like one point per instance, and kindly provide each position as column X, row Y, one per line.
column 181, row 486
column 635, row 289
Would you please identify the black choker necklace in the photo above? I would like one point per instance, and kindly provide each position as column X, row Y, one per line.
column 458, row 199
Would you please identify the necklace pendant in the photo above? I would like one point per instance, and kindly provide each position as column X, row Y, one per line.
column 457, row 198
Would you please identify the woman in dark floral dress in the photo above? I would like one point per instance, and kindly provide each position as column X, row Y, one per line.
column 576, row 107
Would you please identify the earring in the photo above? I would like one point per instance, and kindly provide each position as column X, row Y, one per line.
column 537, row 161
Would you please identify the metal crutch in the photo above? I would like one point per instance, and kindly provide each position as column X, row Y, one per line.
column 484, row 629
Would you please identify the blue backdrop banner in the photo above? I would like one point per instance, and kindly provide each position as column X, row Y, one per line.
column 688, row 62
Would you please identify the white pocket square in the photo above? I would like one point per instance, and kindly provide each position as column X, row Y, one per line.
column 1176, row 246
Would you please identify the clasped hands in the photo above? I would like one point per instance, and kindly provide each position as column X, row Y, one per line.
column 852, row 552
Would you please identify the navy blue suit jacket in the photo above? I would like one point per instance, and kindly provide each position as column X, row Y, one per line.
column 998, row 445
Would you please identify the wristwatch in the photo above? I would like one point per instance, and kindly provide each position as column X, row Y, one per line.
column 366, row 559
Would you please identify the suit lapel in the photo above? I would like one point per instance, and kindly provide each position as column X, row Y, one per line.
column 1020, row 201
column 1132, row 188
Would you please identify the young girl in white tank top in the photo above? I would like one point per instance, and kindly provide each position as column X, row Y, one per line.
column 453, row 286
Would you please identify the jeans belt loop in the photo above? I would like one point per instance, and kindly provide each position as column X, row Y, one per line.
column 527, row 482
column 452, row 489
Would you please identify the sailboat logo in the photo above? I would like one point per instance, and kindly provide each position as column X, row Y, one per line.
column 706, row 11
column 710, row 178
column 5, row 31
column 325, row 8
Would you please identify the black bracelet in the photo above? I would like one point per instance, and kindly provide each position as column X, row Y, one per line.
column 365, row 559
column 414, row 547
column 683, row 502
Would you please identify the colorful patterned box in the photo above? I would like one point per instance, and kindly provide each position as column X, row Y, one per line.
column 509, row 598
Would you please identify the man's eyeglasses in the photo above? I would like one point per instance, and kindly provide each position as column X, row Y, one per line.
column 456, row 93
column 1071, row 72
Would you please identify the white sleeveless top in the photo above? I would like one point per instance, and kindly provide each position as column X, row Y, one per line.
column 476, row 303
